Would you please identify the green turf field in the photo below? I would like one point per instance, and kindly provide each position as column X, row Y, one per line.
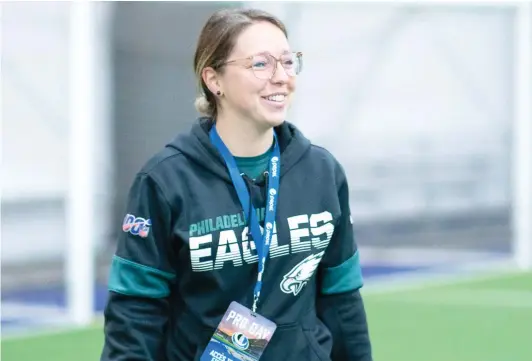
column 483, row 320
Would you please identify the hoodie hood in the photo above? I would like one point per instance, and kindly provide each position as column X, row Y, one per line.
column 197, row 147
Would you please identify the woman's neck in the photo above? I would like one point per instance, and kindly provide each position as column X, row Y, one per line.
column 244, row 138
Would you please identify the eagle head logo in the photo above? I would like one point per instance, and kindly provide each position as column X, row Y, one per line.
column 294, row 281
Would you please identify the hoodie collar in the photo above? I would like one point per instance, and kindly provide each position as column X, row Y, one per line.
column 197, row 146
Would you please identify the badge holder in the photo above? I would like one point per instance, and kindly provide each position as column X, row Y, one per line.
column 242, row 335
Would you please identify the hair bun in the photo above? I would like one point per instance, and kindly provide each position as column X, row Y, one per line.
column 203, row 106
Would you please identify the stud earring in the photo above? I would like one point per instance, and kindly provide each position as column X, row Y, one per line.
column 218, row 93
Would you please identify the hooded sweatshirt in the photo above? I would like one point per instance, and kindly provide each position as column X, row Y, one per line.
column 184, row 255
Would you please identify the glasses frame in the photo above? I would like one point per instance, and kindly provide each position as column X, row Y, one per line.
column 297, row 54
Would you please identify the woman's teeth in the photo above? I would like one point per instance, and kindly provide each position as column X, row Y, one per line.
column 276, row 98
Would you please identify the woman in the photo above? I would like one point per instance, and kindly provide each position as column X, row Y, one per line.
column 241, row 228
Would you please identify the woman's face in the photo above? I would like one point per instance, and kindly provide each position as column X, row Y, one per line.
column 258, row 78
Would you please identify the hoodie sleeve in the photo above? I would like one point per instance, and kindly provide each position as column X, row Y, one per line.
column 140, row 277
column 340, row 305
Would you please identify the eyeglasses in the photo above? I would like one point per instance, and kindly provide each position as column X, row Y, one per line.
column 264, row 65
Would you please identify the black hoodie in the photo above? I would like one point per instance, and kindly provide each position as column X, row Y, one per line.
column 184, row 256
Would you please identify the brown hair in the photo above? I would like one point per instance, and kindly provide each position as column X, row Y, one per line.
column 216, row 41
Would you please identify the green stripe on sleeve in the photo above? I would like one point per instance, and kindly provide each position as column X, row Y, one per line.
column 133, row 279
column 343, row 278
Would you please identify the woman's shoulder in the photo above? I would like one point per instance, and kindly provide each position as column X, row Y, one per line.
column 322, row 153
column 163, row 158
column 328, row 162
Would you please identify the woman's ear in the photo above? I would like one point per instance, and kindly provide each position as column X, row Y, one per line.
column 212, row 80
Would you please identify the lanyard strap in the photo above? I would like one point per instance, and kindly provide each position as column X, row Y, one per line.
column 262, row 240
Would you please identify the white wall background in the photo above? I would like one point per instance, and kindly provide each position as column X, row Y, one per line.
column 35, row 100
column 415, row 102
column 35, row 122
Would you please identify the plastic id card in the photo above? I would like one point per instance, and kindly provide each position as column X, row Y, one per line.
column 240, row 336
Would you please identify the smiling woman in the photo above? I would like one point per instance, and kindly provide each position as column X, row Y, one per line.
column 227, row 201
column 239, row 79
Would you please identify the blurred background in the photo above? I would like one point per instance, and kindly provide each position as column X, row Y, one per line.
column 427, row 106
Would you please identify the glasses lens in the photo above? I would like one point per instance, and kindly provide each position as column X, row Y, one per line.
column 263, row 66
column 291, row 63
